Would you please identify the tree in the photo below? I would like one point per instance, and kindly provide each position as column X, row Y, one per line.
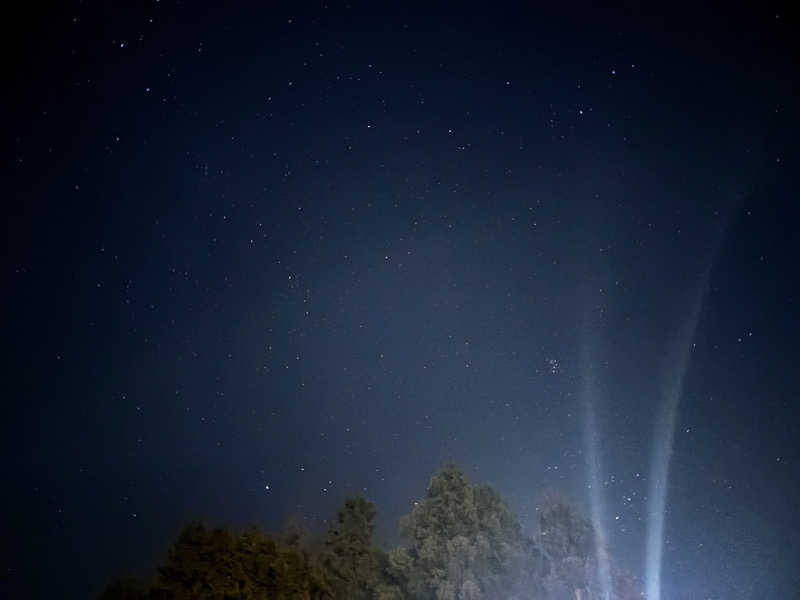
column 201, row 564
column 567, row 542
column 352, row 564
column 463, row 544
column 462, row 540
column 279, row 570
column 563, row 532
column 216, row 565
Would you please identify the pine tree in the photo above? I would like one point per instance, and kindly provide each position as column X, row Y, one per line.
column 352, row 564
column 463, row 539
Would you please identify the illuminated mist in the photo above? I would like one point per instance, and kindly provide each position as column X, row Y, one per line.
column 596, row 505
column 663, row 439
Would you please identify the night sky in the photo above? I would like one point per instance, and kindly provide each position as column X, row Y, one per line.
column 256, row 262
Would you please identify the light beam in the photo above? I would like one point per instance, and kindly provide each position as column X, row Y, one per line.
column 596, row 504
column 663, row 441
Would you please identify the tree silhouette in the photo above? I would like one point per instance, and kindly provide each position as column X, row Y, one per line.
column 352, row 564
column 462, row 540
column 463, row 544
column 214, row 564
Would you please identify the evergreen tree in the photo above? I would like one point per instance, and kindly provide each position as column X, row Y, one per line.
column 462, row 541
column 563, row 532
column 351, row 563
column 201, row 564
column 216, row 565
column 464, row 544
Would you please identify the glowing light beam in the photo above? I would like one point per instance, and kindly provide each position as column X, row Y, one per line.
column 593, row 463
column 663, row 442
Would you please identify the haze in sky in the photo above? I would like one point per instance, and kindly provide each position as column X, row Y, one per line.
column 261, row 259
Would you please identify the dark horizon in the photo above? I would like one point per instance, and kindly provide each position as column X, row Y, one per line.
column 259, row 261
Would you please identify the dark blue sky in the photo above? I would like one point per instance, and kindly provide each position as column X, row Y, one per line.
column 256, row 262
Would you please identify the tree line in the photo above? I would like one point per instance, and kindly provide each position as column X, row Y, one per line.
column 461, row 543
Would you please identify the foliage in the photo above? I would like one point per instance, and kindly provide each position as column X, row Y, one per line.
column 206, row 564
column 563, row 532
column 462, row 539
column 463, row 543
column 353, row 565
